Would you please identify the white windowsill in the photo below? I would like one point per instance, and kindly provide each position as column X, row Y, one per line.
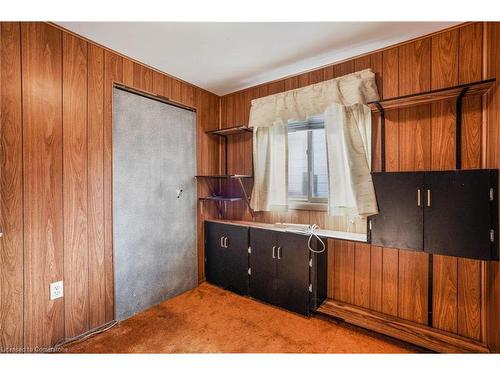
column 309, row 206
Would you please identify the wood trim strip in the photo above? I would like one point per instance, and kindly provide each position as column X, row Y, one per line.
column 113, row 71
column 95, row 149
column 153, row 96
column 414, row 333
column 11, row 189
column 75, row 185
column 43, row 180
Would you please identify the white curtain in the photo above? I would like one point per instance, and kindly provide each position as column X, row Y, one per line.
column 348, row 138
column 270, row 156
column 269, row 117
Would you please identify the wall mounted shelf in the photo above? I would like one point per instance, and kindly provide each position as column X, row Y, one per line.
column 220, row 202
column 223, row 176
column 221, row 199
column 240, row 129
column 469, row 89
column 217, row 197
column 224, row 133
column 455, row 92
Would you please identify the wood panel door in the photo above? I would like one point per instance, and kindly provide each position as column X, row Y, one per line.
column 458, row 213
column 263, row 265
column 399, row 223
column 293, row 272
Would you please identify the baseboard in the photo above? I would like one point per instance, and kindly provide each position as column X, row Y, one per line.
column 414, row 333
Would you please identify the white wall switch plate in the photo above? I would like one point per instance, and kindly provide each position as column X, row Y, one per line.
column 56, row 290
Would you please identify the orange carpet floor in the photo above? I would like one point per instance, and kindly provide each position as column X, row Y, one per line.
column 211, row 320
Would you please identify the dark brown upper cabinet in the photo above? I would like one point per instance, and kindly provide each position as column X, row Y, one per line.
column 400, row 221
column 451, row 213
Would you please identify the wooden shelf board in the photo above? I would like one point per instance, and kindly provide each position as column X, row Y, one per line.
column 231, row 131
column 222, row 176
column 221, row 199
column 401, row 329
column 475, row 88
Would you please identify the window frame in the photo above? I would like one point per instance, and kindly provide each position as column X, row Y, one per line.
column 311, row 202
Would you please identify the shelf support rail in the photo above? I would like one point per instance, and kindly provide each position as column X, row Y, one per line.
column 245, row 195
column 458, row 129
column 225, row 153
column 382, row 137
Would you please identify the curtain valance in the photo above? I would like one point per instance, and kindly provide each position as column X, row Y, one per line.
column 299, row 104
column 347, row 135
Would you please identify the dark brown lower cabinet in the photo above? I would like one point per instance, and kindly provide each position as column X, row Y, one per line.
column 226, row 256
column 284, row 272
column 279, row 269
column 263, row 260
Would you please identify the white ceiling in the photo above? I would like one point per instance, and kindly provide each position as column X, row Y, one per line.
column 226, row 57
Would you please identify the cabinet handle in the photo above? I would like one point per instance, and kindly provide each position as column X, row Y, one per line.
column 222, row 242
column 279, row 252
column 274, row 249
column 428, row 197
column 419, row 197
column 225, row 242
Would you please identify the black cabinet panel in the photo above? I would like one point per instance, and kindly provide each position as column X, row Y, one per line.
column 214, row 254
column 279, row 263
column 458, row 213
column 399, row 223
column 293, row 272
column 263, row 263
column 226, row 252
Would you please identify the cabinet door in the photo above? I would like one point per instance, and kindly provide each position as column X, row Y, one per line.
column 293, row 272
column 263, row 281
column 227, row 266
column 237, row 258
column 399, row 222
column 457, row 215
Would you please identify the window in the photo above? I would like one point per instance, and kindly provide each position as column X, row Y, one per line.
column 307, row 164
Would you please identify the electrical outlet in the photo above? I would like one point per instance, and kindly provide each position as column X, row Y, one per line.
column 56, row 290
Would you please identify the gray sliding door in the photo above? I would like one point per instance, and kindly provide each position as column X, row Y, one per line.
column 154, row 225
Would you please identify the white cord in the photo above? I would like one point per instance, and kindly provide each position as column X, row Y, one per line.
column 312, row 233
column 84, row 336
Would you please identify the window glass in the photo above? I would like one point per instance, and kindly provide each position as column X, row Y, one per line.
column 297, row 165
column 307, row 162
column 319, row 165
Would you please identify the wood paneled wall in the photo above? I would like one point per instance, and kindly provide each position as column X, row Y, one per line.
column 396, row 281
column 56, row 186
column 56, row 177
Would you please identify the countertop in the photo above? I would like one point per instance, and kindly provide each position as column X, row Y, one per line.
column 349, row 236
